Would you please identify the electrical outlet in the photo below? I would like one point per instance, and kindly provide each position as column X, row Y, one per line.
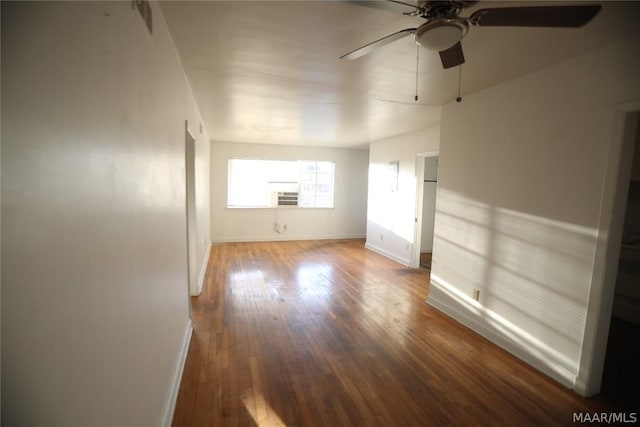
column 476, row 294
column 279, row 228
column 382, row 237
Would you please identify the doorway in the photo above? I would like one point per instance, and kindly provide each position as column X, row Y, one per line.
column 426, row 189
column 616, row 181
column 621, row 372
column 190, row 182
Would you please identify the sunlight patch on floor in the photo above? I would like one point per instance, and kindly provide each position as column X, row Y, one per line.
column 263, row 415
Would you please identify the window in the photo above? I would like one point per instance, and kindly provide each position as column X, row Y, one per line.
column 256, row 183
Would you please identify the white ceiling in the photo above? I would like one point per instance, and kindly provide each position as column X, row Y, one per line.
column 268, row 71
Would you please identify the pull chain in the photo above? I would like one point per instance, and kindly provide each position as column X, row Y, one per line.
column 459, row 98
column 417, row 62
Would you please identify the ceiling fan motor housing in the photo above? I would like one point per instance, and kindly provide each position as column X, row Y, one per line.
column 441, row 35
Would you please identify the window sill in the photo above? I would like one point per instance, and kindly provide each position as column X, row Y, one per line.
column 243, row 208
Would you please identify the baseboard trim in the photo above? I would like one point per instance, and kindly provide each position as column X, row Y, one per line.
column 170, row 407
column 387, row 254
column 501, row 332
column 282, row 237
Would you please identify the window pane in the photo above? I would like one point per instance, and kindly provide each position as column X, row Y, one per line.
column 247, row 183
column 325, row 179
column 325, row 167
column 309, row 167
column 283, row 171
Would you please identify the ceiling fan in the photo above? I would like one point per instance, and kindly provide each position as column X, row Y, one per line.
column 444, row 27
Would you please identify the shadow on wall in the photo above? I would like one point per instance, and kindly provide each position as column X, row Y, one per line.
column 532, row 274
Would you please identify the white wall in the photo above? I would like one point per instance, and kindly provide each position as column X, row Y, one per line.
column 345, row 220
column 391, row 214
column 94, row 271
column 522, row 167
column 429, row 203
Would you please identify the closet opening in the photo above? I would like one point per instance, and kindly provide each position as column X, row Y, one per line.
column 426, row 189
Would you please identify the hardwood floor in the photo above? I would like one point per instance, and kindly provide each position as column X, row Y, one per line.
column 425, row 260
column 327, row 333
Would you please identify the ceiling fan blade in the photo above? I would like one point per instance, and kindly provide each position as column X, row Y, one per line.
column 389, row 5
column 368, row 48
column 536, row 16
column 452, row 56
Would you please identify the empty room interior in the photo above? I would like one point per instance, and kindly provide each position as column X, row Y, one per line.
column 298, row 213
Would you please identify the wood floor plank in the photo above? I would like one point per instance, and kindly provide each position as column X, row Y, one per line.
column 327, row 333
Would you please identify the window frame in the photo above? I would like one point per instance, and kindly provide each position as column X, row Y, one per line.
column 299, row 184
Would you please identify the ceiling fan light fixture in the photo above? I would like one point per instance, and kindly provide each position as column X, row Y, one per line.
column 441, row 35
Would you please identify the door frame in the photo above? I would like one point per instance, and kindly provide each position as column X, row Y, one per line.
column 417, row 229
column 190, row 209
column 607, row 254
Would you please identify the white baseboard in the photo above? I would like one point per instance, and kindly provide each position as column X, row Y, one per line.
column 385, row 253
column 285, row 237
column 203, row 270
column 170, row 406
column 501, row 332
